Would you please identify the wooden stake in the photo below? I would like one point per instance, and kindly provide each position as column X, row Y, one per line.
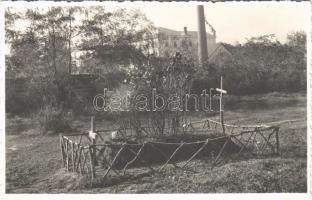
column 80, row 140
column 269, row 137
column 173, row 154
column 92, row 162
column 87, row 166
column 210, row 97
column 142, row 160
column 221, row 108
column 78, row 159
column 84, row 161
column 162, row 153
column 267, row 142
column 135, row 157
column 111, row 165
column 221, row 151
column 73, row 157
column 277, row 141
column 62, row 150
column 196, row 153
column 93, row 127
column 67, row 156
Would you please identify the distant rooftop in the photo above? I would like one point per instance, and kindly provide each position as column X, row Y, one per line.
column 179, row 33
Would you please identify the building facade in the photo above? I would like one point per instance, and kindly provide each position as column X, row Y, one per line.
column 184, row 41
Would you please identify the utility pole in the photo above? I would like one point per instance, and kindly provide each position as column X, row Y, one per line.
column 202, row 40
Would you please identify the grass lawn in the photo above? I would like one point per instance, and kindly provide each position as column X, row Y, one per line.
column 33, row 161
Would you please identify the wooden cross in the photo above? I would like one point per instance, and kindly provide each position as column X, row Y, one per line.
column 210, row 97
column 221, row 107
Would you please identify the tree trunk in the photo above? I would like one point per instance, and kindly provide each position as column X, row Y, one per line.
column 69, row 42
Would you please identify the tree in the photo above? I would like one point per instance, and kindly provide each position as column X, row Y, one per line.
column 265, row 40
column 262, row 64
column 39, row 53
column 115, row 40
column 297, row 39
column 170, row 78
column 43, row 51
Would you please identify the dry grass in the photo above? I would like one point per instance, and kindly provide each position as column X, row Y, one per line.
column 33, row 162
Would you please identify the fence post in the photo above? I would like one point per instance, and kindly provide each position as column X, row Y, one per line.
column 67, row 155
column 277, row 141
column 62, row 149
column 91, row 147
column 221, row 106
column 73, row 156
column 93, row 139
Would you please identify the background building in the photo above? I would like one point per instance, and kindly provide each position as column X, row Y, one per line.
column 184, row 41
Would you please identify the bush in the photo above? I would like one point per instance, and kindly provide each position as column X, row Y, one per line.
column 255, row 68
column 53, row 120
column 21, row 96
column 205, row 78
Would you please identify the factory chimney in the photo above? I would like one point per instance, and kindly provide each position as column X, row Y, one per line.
column 202, row 40
column 185, row 30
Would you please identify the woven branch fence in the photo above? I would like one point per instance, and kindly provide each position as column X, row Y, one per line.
column 98, row 157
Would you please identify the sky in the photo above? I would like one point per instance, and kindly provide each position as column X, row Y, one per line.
column 233, row 21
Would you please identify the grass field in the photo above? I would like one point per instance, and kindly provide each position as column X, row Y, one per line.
column 33, row 161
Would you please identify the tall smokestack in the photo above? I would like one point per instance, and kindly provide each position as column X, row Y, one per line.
column 202, row 40
column 185, row 30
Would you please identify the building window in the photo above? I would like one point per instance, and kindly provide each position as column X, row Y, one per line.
column 174, row 43
column 190, row 43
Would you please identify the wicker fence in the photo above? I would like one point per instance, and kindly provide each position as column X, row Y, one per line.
column 91, row 154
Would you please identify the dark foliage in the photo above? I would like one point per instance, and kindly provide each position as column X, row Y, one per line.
column 259, row 66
